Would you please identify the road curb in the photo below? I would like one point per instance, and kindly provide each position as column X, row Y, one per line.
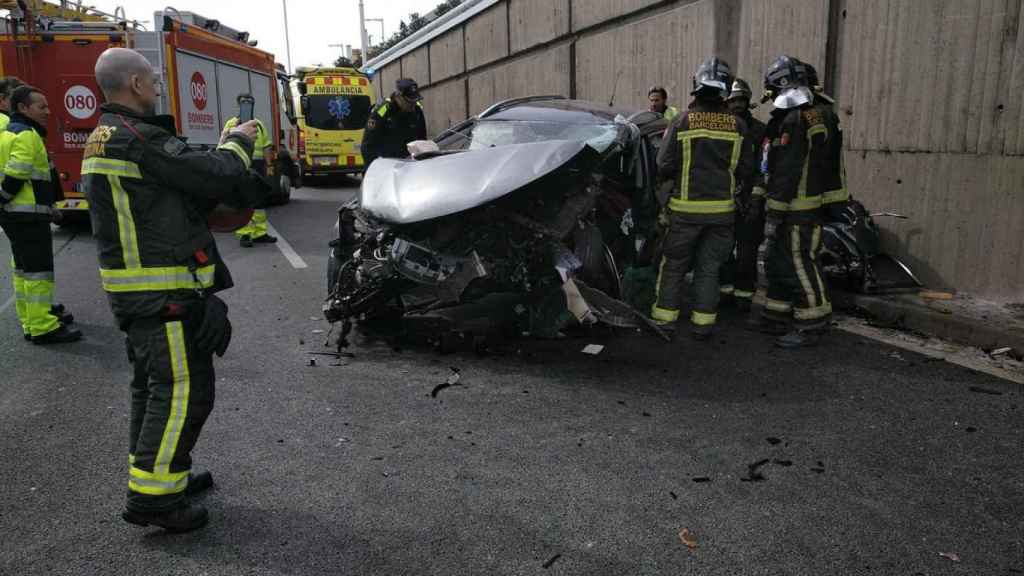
column 904, row 311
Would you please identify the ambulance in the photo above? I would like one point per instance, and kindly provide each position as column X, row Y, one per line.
column 331, row 107
column 203, row 65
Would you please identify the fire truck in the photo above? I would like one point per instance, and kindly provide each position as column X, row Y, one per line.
column 204, row 66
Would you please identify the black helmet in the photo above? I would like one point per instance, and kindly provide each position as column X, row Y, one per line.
column 713, row 74
column 812, row 78
column 786, row 72
column 740, row 89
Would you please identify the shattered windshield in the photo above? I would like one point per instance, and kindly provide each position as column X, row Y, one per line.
column 490, row 133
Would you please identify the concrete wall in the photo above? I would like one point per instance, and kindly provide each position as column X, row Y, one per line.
column 929, row 93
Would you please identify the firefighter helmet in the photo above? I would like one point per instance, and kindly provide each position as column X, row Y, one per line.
column 812, row 78
column 740, row 89
column 784, row 73
column 713, row 74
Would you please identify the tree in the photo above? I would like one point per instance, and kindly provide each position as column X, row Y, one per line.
column 416, row 22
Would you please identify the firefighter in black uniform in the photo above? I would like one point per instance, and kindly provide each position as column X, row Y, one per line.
column 836, row 195
column 394, row 123
column 795, row 156
column 148, row 199
column 707, row 151
column 739, row 276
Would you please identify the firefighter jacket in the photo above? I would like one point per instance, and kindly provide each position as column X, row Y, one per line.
column 389, row 130
column 835, row 184
column 27, row 192
column 794, row 163
column 262, row 138
column 753, row 178
column 148, row 199
column 5, row 119
column 707, row 151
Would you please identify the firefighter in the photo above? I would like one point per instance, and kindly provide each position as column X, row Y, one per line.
column 148, row 198
column 836, row 194
column 7, row 86
column 657, row 96
column 394, row 123
column 26, row 210
column 255, row 232
column 739, row 276
column 795, row 157
column 706, row 151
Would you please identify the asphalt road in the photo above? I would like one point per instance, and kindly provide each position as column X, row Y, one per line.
column 542, row 460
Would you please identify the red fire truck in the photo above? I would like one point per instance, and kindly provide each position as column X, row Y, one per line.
column 204, row 65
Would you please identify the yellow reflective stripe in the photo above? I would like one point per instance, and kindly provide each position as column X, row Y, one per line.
column 26, row 208
column 758, row 191
column 702, row 206
column 727, row 289
column 125, row 224
column 383, row 110
column 703, row 318
column 798, row 265
column 156, row 484
column 777, row 305
column 737, row 147
column 814, row 313
column 742, row 293
column 237, row 149
column 664, row 314
column 684, row 178
column 179, row 399
column 796, row 204
column 19, row 169
column 833, row 196
column 815, row 245
column 111, row 167
column 155, row 279
column 817, row 129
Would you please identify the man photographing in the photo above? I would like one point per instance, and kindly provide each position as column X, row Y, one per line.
column 148, row 199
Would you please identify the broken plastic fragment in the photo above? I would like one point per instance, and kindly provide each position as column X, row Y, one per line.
column 687, row 538
column 950, row 556
column 593, row 349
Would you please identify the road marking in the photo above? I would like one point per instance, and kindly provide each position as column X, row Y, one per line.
column 6, row 305
column 286, row 249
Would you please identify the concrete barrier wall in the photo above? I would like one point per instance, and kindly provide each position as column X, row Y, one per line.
column 929, row 93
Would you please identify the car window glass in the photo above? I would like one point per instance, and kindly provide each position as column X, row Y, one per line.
column 490, row 133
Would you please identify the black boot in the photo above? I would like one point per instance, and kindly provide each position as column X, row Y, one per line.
column 198, row 482
column 61, row 335
column 265, row 239
column 245, row 242
column 185, row 518
column 798, row 339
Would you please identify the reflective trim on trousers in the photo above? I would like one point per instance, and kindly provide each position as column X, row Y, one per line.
column 745, row 294
column 703, row 318
column 26, row 209
column 155, row 484
column 156, row 279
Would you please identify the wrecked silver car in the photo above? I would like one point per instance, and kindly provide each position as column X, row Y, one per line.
column 525, row 219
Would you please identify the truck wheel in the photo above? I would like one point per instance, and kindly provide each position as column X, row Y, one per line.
column 286, row 190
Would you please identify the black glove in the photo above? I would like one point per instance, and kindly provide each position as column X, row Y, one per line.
column 214, row 332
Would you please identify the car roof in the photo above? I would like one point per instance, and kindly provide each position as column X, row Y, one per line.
column 569, row 111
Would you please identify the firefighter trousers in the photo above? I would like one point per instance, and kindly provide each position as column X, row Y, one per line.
column 257, row 226
column 739, row 274
column 172, row 394
column 702, row 248
column 796, row 287
column 32, row 273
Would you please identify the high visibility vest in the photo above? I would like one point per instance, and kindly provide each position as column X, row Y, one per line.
column 4, row 121
column 23, row 156
column 670, row 113
column 262, row 139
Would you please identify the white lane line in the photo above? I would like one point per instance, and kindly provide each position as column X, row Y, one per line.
column 6, row 305
column 286, row 249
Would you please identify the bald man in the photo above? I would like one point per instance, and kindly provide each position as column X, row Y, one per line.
column 148, row 199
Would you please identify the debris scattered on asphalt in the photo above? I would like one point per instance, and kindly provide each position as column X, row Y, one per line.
column 950, row 556
column 782, row 462
column 754, row 473
column 593, row 349
column 315, row 318
column 302, row 342
column 970, row 429
column 673, row 495
column 687, row 538
column 988, row 391
column 453, row 380
column 773, row 440
column 312, row 361
column 1000, row 351
column 933, row 295
column 551, row 561
column 701, row 479
column 647, row 414
column 318, row 331
column 896, row 355
column 819, row 468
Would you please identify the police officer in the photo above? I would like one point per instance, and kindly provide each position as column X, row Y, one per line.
column 706, row 151
column 836, row 195
column 7, row 86
column 256, row 230
column 26, row 210
column 739, row 276
column 657, row 97
column 795, row 158
column 148, row 198
column 394, row 123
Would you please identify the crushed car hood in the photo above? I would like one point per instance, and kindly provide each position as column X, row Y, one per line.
column 407, row 191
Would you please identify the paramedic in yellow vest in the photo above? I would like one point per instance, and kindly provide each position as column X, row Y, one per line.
column 7, row 86
column 255, row 232
column 657, row 96
column 26, row 209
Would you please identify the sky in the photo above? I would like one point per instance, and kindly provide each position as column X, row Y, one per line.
column 313, row 24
